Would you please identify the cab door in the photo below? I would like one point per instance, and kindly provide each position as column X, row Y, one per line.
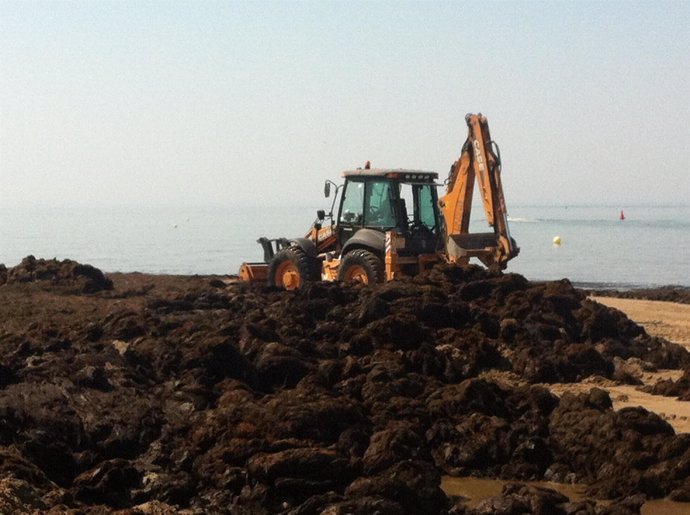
column 351, row 215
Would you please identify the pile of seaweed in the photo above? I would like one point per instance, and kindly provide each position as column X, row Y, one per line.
column 333, row 399
column 65, row 273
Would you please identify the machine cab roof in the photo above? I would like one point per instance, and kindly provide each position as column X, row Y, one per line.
column 393, row 173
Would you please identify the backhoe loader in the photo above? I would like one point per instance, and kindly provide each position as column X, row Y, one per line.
column 390, row 222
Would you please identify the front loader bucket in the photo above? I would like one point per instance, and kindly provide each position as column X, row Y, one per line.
column 258, row 272
column 254, row 272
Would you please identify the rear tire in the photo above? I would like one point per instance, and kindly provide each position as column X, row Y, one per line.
column 361, row 266
column 291, row 268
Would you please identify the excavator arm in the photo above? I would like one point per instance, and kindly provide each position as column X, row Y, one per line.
column 478, row 161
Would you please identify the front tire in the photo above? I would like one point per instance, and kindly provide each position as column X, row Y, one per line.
column 361, row 266
column 291, row 268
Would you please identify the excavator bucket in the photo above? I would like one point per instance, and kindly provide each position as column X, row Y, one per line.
column 480, row 161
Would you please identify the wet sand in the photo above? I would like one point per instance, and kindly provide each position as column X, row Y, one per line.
column 476, row 489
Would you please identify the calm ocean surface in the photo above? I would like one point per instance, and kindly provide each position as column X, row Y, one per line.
column 650, row 248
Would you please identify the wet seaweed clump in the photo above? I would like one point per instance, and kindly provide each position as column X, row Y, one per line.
column 53, row 273
column 197, row 395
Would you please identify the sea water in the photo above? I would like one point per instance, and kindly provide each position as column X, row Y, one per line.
column 651, row 247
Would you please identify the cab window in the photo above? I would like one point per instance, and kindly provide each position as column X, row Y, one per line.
column 351, row 211
column 379, row 208
column 427, row 201
column 420, row 200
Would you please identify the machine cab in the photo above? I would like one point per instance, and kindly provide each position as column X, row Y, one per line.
column 382, row 200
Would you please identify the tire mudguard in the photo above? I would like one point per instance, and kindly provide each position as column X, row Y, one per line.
column 308, row 246
column 366, row 238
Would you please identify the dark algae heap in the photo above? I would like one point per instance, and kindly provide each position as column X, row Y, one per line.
column 194, row 394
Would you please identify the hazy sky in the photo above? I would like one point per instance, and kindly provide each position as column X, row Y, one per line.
column 249, row 102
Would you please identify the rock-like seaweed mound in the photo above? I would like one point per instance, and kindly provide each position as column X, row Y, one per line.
column 332, row 399
column 65, row 273
column 679, row 388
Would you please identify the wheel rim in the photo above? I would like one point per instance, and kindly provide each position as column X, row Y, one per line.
column 288, row 276
column 356, row 274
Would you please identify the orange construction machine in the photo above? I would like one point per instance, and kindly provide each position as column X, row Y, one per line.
column 390, row 222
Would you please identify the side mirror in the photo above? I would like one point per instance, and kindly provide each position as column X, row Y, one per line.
column 320, row 214
column 327, row 189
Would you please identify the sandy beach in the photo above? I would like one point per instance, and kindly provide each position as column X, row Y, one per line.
column 669, row 320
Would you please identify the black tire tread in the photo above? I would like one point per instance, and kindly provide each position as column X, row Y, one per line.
column 368, row 260
column 309, row 267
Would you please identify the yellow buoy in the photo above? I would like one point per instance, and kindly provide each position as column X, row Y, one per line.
column 556, row 240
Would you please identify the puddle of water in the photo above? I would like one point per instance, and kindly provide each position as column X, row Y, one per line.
column 477, row 489
column 665, row 507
